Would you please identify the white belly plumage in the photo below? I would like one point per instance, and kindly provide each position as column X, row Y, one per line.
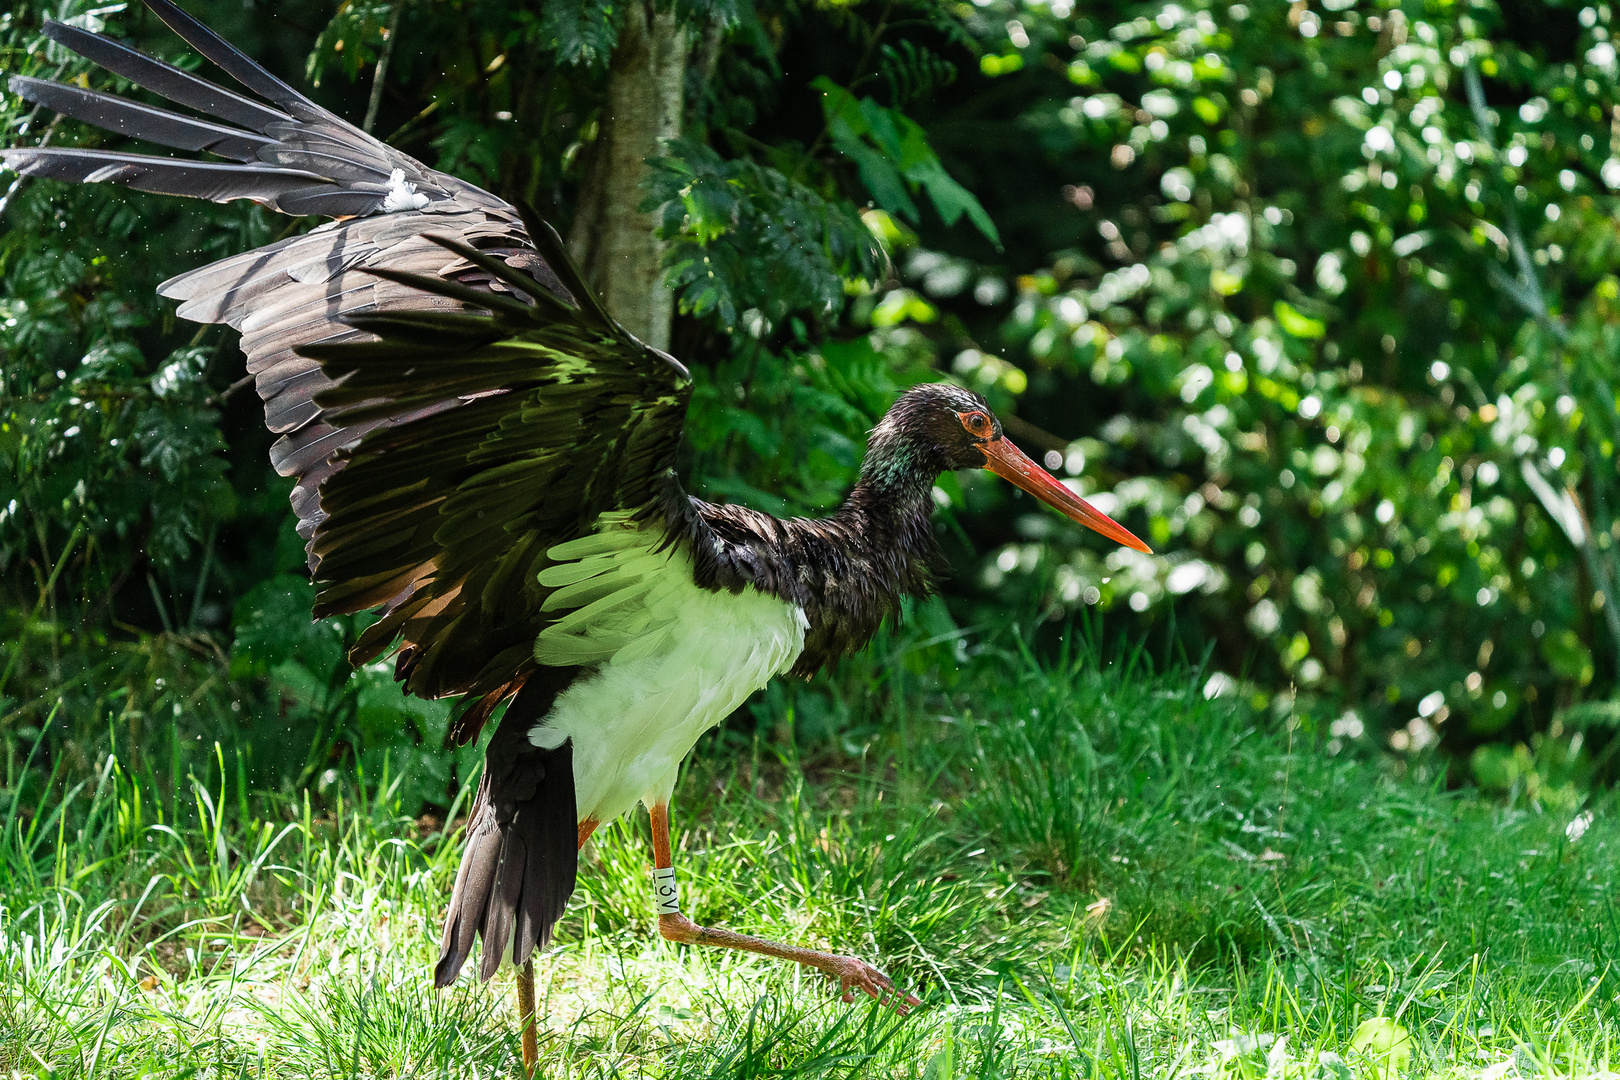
column 672, row 660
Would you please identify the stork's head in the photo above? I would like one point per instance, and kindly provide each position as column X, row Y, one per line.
column 939, row 426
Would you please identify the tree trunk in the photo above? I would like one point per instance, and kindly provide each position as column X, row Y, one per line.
column 612, row 240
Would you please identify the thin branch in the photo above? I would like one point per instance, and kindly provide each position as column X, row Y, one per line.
column 50, row 129
column 432, row 107
column 1033, row 434
column 389, row 34
column 230, row 391
column 202, row 577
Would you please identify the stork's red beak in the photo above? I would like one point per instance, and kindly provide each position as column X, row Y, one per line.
column 1010, row 463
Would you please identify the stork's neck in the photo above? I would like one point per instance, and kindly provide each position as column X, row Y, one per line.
column 895, row 488
column 896, row 485
column 885, row 535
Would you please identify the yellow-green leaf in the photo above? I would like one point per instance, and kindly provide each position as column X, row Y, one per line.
column 1296, row 322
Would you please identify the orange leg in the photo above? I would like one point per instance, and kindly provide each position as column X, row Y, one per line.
column 852, row 974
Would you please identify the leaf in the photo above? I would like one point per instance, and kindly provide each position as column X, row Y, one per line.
column 1296, row 323
column 753, row 431
column 879, row 175
column 1568, row 655
column 744, row 236
column 910, row 71
column 1591, row 714
column 273, row 627
column 1385, row 1043
column 839, row 105
column 711, row 207
column 581, row 31
column 951, row 200
column 884, row 127
column 891, row 153
column 350, row 40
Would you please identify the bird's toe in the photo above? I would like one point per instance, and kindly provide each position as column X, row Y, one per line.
column 857, row 975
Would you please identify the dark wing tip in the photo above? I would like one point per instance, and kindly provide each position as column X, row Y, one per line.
column 235, row 63
column 680, row 368
column 502, row 271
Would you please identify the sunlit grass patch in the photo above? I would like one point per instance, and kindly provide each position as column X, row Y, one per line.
column 1084, row 868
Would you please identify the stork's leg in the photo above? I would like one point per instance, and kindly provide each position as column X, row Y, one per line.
column 525, row 985
column 525, row 996
column 852, row 974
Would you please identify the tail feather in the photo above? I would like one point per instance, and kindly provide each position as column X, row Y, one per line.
column 519, row 866
column 171, row 176
column 505, row 895
column 531, row 925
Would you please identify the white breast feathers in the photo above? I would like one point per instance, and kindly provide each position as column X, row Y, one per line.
column 671, row 660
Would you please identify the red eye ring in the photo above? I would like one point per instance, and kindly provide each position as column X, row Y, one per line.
column 976, row 423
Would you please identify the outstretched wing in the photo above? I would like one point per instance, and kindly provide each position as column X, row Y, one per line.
column 450, row 396
column 446, row 518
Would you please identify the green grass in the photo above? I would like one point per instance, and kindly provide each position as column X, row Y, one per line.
column 1084, row 868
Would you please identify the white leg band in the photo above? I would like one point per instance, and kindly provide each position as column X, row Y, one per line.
column 666, row 901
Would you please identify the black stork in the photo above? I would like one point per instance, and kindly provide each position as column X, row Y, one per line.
column 484, row 455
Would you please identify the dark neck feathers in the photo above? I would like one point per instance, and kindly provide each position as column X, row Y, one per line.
column 897, row 478
column 849, row 571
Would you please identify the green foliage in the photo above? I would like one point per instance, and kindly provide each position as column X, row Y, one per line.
column 1319, row 300
column 359, row 719
column 910, row 71
column 353, row 40
column 584, row 31
column 273, row 627
column 90, row 429
column 744, row 237
column 1333, row 329
column 783, row 431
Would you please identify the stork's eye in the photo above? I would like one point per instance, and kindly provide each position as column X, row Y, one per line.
column 977, row 424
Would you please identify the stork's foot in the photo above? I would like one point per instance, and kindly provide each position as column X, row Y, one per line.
column 856, row 974
column 853, row 974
